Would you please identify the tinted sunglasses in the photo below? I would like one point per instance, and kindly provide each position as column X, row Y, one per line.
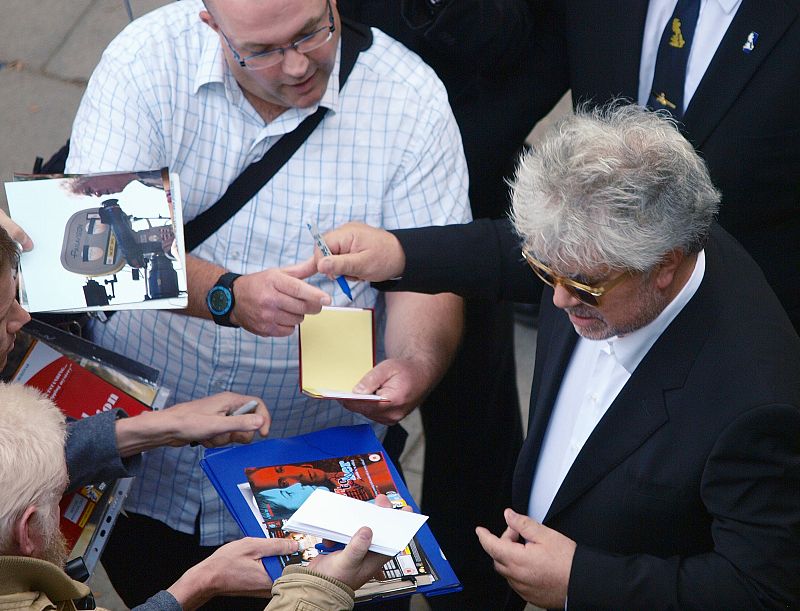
column 590, row 295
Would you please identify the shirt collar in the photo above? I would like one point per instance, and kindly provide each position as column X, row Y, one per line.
column 630, row 349
column 330, row 99
column 211, row 67
column 728, row 6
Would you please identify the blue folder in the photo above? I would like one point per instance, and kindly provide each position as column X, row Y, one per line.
column 225, row 468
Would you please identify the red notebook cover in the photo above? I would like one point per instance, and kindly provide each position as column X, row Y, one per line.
column 79, row 394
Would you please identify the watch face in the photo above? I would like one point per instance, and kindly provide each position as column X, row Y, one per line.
column 219, row 300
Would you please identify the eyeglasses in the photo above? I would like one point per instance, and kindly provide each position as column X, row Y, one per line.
column 590, row 295
column 304, row 45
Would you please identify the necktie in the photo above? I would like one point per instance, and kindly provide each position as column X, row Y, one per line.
column 673, row 54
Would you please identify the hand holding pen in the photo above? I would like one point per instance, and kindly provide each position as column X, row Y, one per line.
column 208, row 421
column 203, row 420
column 326, row 252
column 362, row 252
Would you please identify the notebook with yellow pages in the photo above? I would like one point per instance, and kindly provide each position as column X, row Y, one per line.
column 337, row 347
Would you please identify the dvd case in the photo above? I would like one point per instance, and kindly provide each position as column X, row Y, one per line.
column 263, row 483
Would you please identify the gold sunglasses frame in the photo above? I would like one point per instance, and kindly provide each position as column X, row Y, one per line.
column 568, row 283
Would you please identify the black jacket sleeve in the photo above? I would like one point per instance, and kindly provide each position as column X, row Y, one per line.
column 481, row 259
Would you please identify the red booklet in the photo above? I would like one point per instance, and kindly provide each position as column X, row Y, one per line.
column 79, row 393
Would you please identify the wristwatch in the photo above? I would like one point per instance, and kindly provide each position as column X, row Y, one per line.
column 220, row 300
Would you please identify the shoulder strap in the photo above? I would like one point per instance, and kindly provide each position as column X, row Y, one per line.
column 355, row 38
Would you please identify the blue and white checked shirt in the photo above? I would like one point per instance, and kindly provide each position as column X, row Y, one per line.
column 388, row 153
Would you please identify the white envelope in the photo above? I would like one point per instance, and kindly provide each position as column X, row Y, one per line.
column 338, row 517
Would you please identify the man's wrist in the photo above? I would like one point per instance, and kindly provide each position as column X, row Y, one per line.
column 195, row 587
column 144, row 432
column 220, row 299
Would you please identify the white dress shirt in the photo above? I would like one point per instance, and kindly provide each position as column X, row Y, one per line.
column 597, row 372
column 712, row 23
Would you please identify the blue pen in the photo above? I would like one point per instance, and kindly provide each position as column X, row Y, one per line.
column 326, row 252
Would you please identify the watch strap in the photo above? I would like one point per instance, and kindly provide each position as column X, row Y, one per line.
column 225, row 281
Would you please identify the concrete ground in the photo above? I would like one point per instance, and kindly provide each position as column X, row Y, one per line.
column 48, row 49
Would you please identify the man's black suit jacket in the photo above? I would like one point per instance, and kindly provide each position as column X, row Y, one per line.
column 687, row 493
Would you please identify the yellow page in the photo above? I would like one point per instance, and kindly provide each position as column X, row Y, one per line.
column 336, row 350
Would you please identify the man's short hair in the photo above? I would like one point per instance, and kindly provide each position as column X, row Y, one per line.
column 9, row 252
column 616, row 187
column 32, row 465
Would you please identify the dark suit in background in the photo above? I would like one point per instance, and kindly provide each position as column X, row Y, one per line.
column 687, row 493
column 472, row 417
column 742, row 117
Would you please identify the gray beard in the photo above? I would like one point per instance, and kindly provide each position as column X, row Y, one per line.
column 56, row 550
column 54, row 544
column 651, row 304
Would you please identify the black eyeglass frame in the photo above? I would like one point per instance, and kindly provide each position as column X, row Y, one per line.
column 281, row 51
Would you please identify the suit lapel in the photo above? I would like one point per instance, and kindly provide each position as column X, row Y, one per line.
column 731, row 68
column 630, row 18
column 637, row 412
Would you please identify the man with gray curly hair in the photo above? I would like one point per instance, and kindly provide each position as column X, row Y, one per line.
column 616, row 197
column 617, row 186
column 661, row 468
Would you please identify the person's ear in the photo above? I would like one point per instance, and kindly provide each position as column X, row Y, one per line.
column 666, row 270
column 24, row 535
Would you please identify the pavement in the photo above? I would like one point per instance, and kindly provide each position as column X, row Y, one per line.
column 48, row 49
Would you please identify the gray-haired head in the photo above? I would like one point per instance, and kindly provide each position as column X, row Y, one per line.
column 615, row 186
column 33, row 471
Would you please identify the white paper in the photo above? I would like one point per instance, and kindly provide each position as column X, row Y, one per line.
column 338, row 517
column 327, row 393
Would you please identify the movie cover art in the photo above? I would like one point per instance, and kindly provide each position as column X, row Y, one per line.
column 281, row 489
column 276, row 492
